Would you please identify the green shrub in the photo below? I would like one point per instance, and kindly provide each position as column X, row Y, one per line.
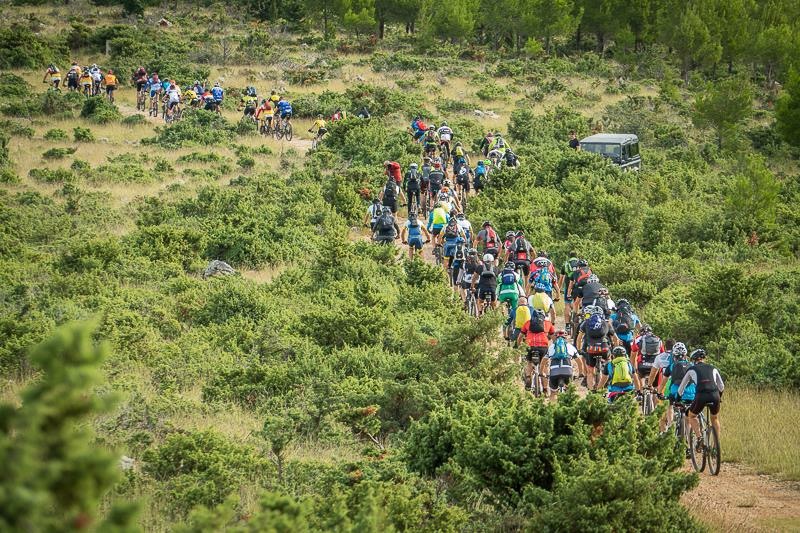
column 198, row 127
column 491, row 91
column 82, row 134
column 58, row 153
column 134, row 120
column 80, row 166
column 100, row 110
column 56, row 134
column 47, row 175
column 8, row 176
column 13, row 127
column 22, row 48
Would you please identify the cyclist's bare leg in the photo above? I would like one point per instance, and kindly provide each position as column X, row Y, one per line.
column 694, row 424
column 715, row 424
column 590, row 384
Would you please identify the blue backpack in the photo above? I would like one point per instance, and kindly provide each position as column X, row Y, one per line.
column 508, row 277
column 594, row 326
column 560, row 352
column 543, row 280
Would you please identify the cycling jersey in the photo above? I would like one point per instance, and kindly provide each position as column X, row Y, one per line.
column 217, row 93
column 285, row 108
column 250, row 101
column 266, row 109
column 111, row 80
column 174, row 95
column 319, row 125
column 54, row 74
column 191, row 95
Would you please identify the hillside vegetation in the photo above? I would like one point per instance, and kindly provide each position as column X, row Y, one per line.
column 330, row 384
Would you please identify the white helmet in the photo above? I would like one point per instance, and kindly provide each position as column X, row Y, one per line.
column 488, row 258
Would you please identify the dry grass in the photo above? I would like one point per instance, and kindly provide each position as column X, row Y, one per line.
column 759, row 428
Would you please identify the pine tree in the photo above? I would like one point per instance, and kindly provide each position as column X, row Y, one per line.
column 52, row 477
column 723, row 106
column 787, row 110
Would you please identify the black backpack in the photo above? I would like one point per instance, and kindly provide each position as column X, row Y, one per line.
column 537, row 321
column 385, row 222
column 488, row 274
column 678, row 370
column 520, row 245
column 390, row 192
column 412, row 177
column 451, row 231
column 624, row 322
column 460, row 255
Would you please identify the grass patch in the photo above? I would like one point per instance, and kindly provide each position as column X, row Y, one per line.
column 757, row 431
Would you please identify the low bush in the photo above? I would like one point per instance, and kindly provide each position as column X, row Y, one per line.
column 198, row 127
column 134, row 120
column 46, row 175
column 100, row 110
column 82, row 134
column 56, row 134
column 58, row 153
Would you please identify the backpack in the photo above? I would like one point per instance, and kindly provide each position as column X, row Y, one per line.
column 624, row 322
column 520, row 245
column 678, row 369
column 459, row 255
column 595, row 327
column 451, row 230
column 584, row 275
column 500, row 143
column 560, row 352
column 385, row 222
column 537, row 321
column 491, row 236
column 412, row 177
column 251, row 91
column 621, row 372
column 650, row 346
column 413, row 223
column 389, row 192
column 508, row 277
column 487, row 274
column 72, row 74
column 543, row 280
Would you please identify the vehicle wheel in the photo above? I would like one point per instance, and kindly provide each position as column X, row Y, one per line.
column 278, row 132
column 698, row 457
column 288, row 133
column 713, row 455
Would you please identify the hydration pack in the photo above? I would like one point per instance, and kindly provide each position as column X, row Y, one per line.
column 508, row 277
column 385, row 223
column 560, row 351
column 621, row 372
column 624, row 322
column 595, row 327
column 537, row 321
column 542, row 280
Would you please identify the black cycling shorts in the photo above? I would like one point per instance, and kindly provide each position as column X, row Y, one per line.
column 535, row 354
column 482, row 293
column 558, row 381
column 701, row 399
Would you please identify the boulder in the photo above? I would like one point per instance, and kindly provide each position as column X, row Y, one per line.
column 218, row 268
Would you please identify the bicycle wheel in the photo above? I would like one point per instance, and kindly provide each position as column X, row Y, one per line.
column 698, row 457
column 712, row 452
column 647, row 403
column 278, row 132
column 288, row 131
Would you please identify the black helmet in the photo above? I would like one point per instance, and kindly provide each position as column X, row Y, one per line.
column 412, row 214
column 623, row 303
column 542, row 253
column 583, row 263
column 486, row 223
column 618, row 351
column 697, row 354
column 376, row 200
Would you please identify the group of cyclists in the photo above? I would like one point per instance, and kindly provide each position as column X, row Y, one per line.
column 88, row 80
column 603, row 344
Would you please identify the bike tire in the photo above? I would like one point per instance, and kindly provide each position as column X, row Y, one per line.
column 278, row 132
column 288, row 133
column 698, row 458
column 712, row 451
column 647, row 406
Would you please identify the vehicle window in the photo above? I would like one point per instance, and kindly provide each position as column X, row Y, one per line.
column 634, row 149
column 608, row 150
column 625, row 152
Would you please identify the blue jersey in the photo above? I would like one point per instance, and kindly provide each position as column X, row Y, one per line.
column 626, row 337
column 480, row 170
column 284, row 107
column 610, row 373
column 165, row 85
column 217, row 93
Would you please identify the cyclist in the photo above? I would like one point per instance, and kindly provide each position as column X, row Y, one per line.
column 364, row 113
column 418, row 128
column 54, row 74
column 338, row 115
column 435, row 180
column 566, row 270
column 173, row 98
column 538, row 331
column 249, row 102
column 210, row 103
column 465, row 226
column 487, row 240
column 139, row 79
column 677, row 363
column 459, row 154
column 462, row 174
column 471, row 270
column 543, row 276
column 521, row 253
column 412, row 234
column 644, row 351
column 218, row 93
column 199, row 89
column 589, row 292
column 625, row 323
column 437, row 219
column 509, row 290
column 431, row 141
column 593, row 339
column 618, row 373
column 445, row 133
column 557, row 365
column 577, row 280
column 97, row 79
column 486, row 281
column 451, row 232
column 458, row 260
column 708, row 392
column 479, row 177
column 485, row 143
column 510, row 159
column 319, row 127
column 191, row 96
column 73, row 76
column 373, row 212
column 155, row 85
column 386, row 230
column 388, row 195
column 522, row 314
column 264, row 113
column 393, row 170
column 85, row 82
column 110, row 81
column 498, row 144
column 284, row 110
column 413, row 186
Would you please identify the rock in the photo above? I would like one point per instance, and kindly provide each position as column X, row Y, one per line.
column 478, row 113
column 164, row 23
column 491, row 114
column 103, row 139
column 127, row 463
column 218, row 268
column 359, row 78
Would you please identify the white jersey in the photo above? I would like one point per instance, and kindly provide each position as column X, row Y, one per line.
column 445, row 133
column 174, row 95
column 465, row 226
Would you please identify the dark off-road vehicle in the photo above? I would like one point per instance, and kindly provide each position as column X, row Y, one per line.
column 621, row 148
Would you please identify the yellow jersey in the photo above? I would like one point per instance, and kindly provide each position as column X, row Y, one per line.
column 319, row 124
column 110, row 79
column 542, row 302
column 191, row 96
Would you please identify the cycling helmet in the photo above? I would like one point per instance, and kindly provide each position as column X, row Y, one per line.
column 510, row 265
column 603, row 291
column 520, row 233
column 51, row 66
column 697, row 354
column 561, row 333
column 426, row 159
column 593, row 279
column 646, row 328
column 216, row 84
column 510, row 234
column 542, row 253
column 412, row 165
column 460, row 240
column 541, row 262
column 480, row 163
column 486, row 223
column 319, row 116
column 376, row 201
column 488, row 258
column 623, row 302
column 583, row 263
column 679, row 350
column 386, row 210
column 437, row 204
column 618, row 351
column 472, row 251
column 386, row 163
column 197, row 82
column 458, row 143
column 444, row 123
column 431, row 128
column 597, row 310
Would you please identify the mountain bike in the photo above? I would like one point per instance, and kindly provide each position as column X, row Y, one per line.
column 284, row 129
column 486, row 304
column 533, row 383
column 265, row 127
column 438, row 254
column 681, row 426
column 444, row 149
column 708, row 452
column 153, row 106
column 140, row 100
column 471, row 303
column 648, row 403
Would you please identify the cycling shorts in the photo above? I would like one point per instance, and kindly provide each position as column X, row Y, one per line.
column 286, row 115
column 172, row 104
column 449, row 250
column 140, row 84
column 492, row 251
column 535, row 354
column 435, row 230
column 567, row 298
column 483, row 293
column 701, row 399
column 557, row 381
column 415, row 242
column 110, row 89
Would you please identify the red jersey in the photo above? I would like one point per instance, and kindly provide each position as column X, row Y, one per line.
column 395, row 172
column 540, row 339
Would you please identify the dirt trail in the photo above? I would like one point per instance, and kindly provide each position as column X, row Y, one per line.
column 741, row 500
